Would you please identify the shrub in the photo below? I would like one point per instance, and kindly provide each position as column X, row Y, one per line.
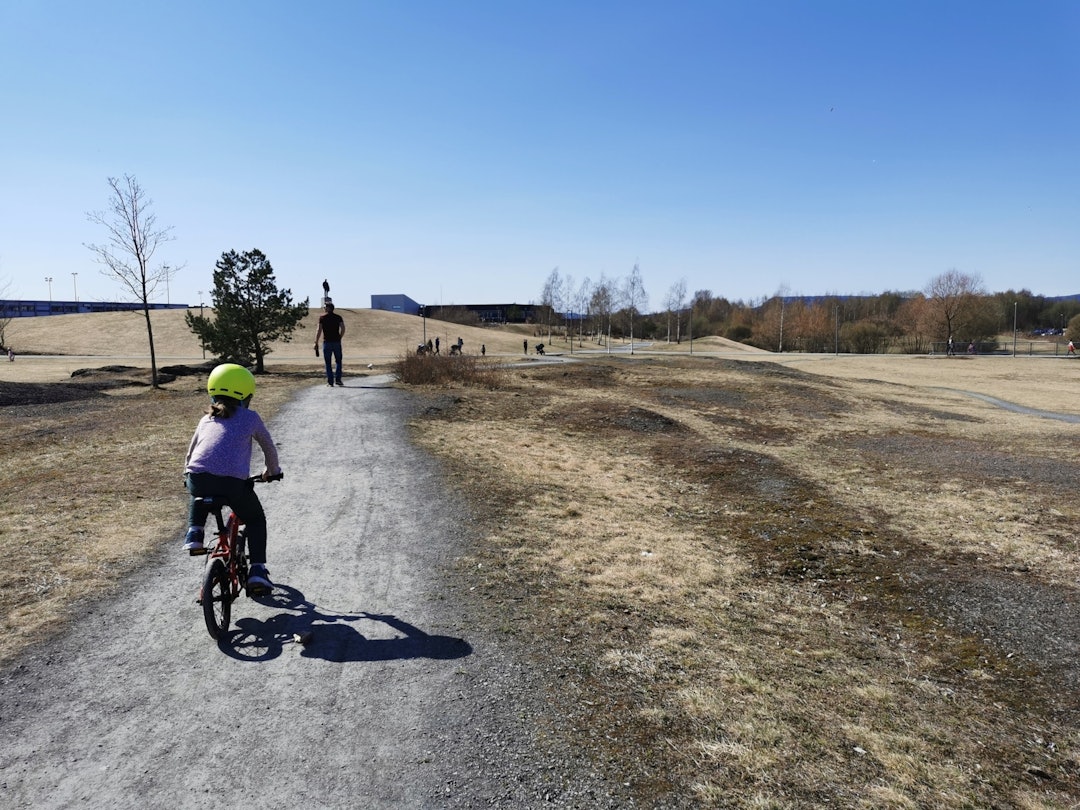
column 434, row 369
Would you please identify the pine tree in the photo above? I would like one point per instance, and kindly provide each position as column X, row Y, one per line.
column 250, row 312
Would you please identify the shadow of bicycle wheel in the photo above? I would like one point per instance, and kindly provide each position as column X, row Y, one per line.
column 332, row 636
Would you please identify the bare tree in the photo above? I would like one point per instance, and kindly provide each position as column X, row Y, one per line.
column 567, row 299
column 602, row 304
column 581, row 306
column 953, row 297
column 675, row 302
column 551, row 297
column 633, row 297
column 133, row 238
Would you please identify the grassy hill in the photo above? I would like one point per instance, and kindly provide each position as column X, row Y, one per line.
column 371, row 336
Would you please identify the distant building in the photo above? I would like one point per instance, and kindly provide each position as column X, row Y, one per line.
column 31, row 309
column 483, row 313
column 395, row 303
column 491, row 313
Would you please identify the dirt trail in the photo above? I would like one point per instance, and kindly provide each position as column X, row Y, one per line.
column 397, row 702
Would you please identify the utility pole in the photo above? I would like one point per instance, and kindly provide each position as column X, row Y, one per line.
column 75, row 282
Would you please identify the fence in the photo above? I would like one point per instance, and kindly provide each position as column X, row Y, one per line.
column 1024, row 347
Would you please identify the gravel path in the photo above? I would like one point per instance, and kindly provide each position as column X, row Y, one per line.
column 398, row 701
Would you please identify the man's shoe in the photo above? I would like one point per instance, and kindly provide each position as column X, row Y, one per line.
column 193, row 543
column 339, row 382
column 258, row 581
column 330, row 384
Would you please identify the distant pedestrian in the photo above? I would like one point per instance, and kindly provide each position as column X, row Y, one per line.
column 11, row 354
column 1072, row 349
column 949, row 350
column 483, row 350
column 325, row 290
column 971, row 348
column 525, row 345
column 436, row 345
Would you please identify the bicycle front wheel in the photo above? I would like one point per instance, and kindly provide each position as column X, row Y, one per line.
column 217, row 599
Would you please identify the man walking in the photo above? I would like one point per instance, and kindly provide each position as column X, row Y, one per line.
column 331, row 330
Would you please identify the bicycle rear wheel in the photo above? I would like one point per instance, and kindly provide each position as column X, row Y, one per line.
column 217, row 599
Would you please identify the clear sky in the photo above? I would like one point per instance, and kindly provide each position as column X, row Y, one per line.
column 458, row 151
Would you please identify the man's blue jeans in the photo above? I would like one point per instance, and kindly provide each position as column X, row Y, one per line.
column 328, row 348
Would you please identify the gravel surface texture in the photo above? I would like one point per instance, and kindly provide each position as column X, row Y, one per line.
column 405, row 696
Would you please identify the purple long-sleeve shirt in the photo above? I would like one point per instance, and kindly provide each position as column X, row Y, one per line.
column 223, row 446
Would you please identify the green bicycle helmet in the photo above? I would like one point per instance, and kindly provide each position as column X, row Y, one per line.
column 231, row 380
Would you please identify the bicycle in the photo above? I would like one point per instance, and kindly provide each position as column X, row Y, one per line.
column 227, row 563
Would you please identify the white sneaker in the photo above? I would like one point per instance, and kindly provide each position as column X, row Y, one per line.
column 194, row 541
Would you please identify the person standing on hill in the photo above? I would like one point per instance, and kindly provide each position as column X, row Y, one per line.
column 331, row 330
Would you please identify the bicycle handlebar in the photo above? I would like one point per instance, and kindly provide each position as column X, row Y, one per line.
column 261, row 480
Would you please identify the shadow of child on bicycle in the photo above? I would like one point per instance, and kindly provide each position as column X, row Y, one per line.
column 332, row 636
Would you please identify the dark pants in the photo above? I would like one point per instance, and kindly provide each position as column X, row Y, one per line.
column 332, row 348
column 238, row 494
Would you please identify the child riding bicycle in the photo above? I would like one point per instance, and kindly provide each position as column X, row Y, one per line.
column 219, row 460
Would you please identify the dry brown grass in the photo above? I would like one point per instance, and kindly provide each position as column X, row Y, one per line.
column 779, row 589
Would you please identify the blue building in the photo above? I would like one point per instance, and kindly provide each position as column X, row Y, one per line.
column 395, row 303
column 31, row 309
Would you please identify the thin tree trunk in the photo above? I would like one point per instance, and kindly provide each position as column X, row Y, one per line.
column 153, row 355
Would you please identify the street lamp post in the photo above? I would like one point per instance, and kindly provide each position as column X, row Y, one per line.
column 48, row 280
column 75, row 282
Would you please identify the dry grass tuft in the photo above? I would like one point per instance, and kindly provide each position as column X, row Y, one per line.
column 434, row 369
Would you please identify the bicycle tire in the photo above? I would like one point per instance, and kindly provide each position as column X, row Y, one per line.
column 217, row 599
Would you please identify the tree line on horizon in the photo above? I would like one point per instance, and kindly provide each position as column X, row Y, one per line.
column 953, row 305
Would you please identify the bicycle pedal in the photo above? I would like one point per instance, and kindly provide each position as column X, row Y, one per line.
column 198, row 552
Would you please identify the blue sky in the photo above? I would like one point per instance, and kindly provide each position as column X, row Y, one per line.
column 457, row 152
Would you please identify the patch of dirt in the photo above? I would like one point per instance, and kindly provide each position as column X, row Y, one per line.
column 603, row 415
column 943, row 458
column 85, row 384
column 16, row 394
